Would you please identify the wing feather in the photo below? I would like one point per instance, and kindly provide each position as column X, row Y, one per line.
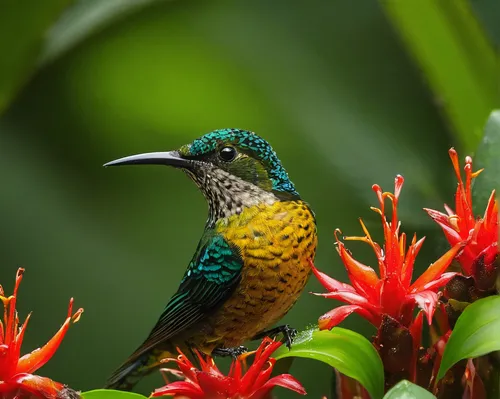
column 210, row 279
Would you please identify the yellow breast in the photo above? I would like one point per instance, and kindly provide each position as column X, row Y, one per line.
column 276, row 242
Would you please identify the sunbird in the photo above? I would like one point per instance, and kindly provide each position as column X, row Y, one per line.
column 252, row 261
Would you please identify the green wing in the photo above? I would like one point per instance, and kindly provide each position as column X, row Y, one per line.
column 209, row 280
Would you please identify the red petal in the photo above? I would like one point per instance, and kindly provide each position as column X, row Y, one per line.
column 337, row 315
column 407, row 269
column 392, row 295
column 207, row 364
column 36, row 359
column 214, row 386
column 448, row 210
column 186, row 367
column 15, row 350
column 435, row 270
column 10, row 315
column 427, row 301
column 176, row 373
column 285, row 381
column 440, row 282
column 266, row 348
column 398, row 185
column 264, row 375
column 453, row 234
column 181, row 388
column 438, row 217
column 491, row 214
column 351, row 298
column 363, row 277
column 41, row 387
column 330, row 283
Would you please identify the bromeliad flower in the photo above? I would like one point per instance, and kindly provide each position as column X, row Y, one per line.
column 392, row 294
column 16, row 378
column 210, row 383
column 479, row 255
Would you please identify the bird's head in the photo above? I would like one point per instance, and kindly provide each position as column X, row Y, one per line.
column 233, row 168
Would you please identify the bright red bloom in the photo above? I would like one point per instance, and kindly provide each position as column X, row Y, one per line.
column 461, row 225
column 16, row 378
column 210, row 383
column 392, row 294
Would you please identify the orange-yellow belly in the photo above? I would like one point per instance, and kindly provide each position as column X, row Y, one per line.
column 276, row 242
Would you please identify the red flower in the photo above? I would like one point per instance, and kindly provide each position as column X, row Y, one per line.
column 210, row 383
column 461, row 225
column 16, row 378
column 392, row 294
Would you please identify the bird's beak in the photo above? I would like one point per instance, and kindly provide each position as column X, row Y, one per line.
column 171, row 158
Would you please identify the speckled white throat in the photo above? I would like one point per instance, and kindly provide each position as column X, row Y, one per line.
column 227, row 194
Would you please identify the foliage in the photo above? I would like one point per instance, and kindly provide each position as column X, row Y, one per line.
column 456, row 56
column 487, row 158
column 110, row 394
column 19, row 65
column 341, row 349
column 83, row 81
column 407, row 390
column 475, row 333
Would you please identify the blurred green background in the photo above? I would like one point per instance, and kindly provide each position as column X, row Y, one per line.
column 349, row 93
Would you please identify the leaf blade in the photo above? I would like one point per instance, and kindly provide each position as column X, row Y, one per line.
column 407, row 390
column 83, row 20
column 456, row 57
column 475, row 333
column 110, row 394
column 22, row 29
column 488, row 157
column 341, row 349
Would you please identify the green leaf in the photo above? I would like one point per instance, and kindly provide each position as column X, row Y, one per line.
column 488, row 157
column 110, row 394
column 349, row 352
column 458, row 61
column 23, row 25
column 475, row 334
column 407, row 390
column 84, row 19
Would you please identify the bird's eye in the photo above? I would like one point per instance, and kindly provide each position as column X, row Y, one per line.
column 227, row 154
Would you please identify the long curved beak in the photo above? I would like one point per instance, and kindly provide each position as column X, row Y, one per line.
column 170, row 158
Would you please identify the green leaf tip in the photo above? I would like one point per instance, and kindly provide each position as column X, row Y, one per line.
column 475, row 333
column 110, row 394
column 407, row 390
column 345, row 350
column 487, row 157
column 451, row 65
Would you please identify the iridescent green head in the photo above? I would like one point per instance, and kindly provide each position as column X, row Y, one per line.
column 233, row 168
column 242, row 154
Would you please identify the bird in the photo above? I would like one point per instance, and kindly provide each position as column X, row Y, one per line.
column 251, row 263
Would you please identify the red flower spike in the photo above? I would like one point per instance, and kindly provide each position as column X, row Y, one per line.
column 474, row 386
column 481, row 234
column 337, row 315
column 392, row 293
column 210, row 383
column 16, row 380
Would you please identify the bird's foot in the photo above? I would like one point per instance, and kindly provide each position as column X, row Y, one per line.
column 288, row 332
column 233, row 352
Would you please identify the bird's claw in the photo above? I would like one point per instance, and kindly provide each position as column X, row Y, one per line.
column 233, row 352
column 288, row 332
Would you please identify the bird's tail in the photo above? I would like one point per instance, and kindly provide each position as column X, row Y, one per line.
column 135, row 368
